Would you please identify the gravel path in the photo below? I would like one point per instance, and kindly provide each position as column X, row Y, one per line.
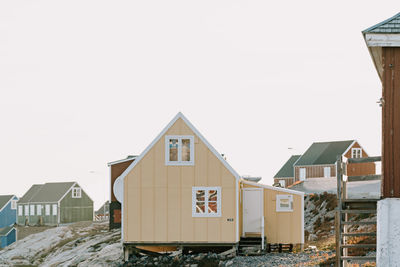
column 281, row 259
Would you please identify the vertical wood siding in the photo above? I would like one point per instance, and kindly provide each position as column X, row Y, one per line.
column 391, row 122
column 356, row 169
column 280, row 227
column 288, row 181
column 158, row 198
column 316, row 171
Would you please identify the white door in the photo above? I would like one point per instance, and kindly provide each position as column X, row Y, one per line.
column 327, row 172
column 302, row 174
column 252, row 210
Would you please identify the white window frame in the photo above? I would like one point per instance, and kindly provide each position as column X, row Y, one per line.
column 26, row 210
column 32, row 210
column 13, row 204
column 20, row 210
column 302, row 171
column 179, row 162
column 327, row 170
column 355, row 152
column 282, row 183
column 39, row 210
column 76, row 192
column 55, row 209
column 278, row 203
column 206, row 189
column 47, row 209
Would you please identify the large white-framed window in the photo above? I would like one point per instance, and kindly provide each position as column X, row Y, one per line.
column 32, row 210
column 26, row 210
column 327, row 172
column 54, row 209
column 179, row 150
column 356, row 152
column 20, row 210
column 302, row 174
column 13, row 204
column 76, row 192
column 47, row 209
column 206, row 201
column 39, row 209
column 284, row 203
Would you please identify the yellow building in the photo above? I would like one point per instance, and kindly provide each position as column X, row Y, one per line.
column 181, row 192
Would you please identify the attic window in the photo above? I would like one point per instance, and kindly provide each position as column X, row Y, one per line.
column 179, row 150
column 356, row 152
column 76, row 192
column 284, row 203
column 13, row 204
column 206, row 201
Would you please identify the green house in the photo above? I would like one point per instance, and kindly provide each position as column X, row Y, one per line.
column 54, row 204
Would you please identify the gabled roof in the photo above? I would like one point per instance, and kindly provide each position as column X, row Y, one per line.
column 391, row 25
column 287, row 168
column 4, row 199
column 30, row 193
column 5, row 230
column 118, row 185
column 105, row 209
column 324, row 153
column 48, row 192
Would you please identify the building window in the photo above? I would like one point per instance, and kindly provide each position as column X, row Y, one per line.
column 76, row 192
column 47, row 209
column 327, row 172
column 26, row 210
column 20, row 210
column 302, row 174
column 356, row 152
column 179, row 150
column 284, row 203
column 206, row 201
column 54, row 209
column 39, row 209
column 32, row 210
column 13, row 204
column 282, row 183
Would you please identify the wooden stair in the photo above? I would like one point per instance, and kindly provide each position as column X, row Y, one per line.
column 350, row 213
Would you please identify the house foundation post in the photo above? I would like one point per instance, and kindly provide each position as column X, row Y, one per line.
column 388, row 232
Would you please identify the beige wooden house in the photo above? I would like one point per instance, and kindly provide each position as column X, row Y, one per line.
column 181, row 192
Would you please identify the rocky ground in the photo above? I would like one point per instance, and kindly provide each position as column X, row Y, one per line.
column 91, row 244
column 307, row 258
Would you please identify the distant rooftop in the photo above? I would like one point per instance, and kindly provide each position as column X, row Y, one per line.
column 287, row 169
column 323, row 153
column 48, row 192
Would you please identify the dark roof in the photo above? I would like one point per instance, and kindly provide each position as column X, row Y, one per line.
column 105, row 209
column 30, row 194
column 323, row 153
column 48, row 192
column 4, row 200
column 4, row 231
column 287, row 168
column 391, row 25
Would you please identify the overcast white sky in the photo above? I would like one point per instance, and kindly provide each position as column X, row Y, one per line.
column 84, row 83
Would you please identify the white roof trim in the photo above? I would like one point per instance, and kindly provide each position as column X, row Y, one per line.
column 5, row 205
column 347, row 150
column 382, row 39
column 274, row 188
column 121, row 160
column 75, row 183
column 13, row 228
column 178, row 116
